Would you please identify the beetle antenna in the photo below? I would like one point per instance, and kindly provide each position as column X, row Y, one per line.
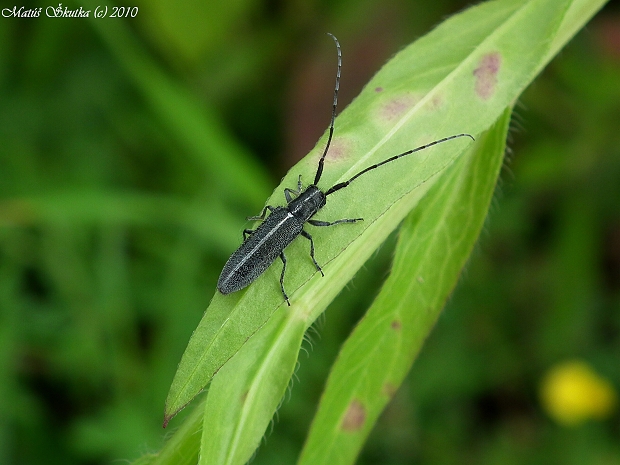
column 319, row 170
column 342, row 185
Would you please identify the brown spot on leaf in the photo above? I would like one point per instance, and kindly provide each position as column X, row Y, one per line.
column 355, row 417
column 436, row 102
column 378, row 89
column 486, row 75
column 339, row 149
column 397, row 107
column 396, row 325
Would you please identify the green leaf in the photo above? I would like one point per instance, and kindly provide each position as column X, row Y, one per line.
column 248, row 389
column 434, row 244
column 435, row 87
column 459, row 78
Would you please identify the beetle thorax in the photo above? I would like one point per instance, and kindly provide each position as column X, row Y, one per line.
column 307, row 204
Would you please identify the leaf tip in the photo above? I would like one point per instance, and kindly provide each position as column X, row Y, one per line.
column 167, row 418
column 169, row 415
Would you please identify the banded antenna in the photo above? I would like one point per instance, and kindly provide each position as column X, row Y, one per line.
column 342, row 185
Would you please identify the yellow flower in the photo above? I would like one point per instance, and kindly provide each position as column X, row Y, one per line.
column 572, row 392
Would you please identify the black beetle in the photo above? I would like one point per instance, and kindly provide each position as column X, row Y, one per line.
column 264, row 244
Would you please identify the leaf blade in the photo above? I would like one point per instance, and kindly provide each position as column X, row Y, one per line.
column 230, row 321
column 379, row 353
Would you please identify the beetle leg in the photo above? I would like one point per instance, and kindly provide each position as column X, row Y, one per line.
column 326, row 223
column 282, row 278
column 288, row 192
column 309, row 237
column 247, row 233
column 262, row 214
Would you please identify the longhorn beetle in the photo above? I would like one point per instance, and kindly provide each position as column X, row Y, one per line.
column 263, row 245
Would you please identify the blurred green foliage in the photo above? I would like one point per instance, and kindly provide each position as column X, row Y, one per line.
column 130, row 152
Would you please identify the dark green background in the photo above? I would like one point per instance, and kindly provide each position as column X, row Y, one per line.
column 120, row 202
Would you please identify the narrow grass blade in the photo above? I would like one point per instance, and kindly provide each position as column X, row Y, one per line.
column 196, row 126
